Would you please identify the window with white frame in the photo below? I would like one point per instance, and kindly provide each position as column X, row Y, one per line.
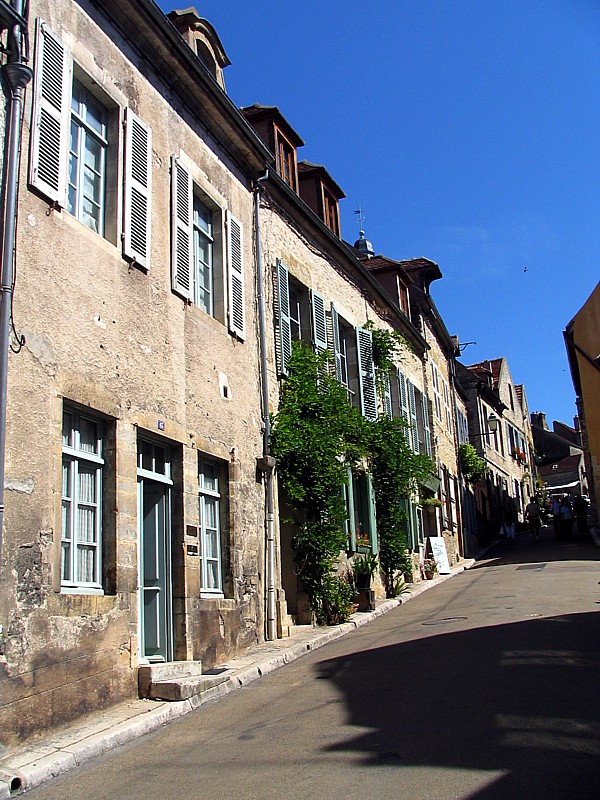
column 203, row 257
column 207, row 268
column 74, row 155
column 81, row 539
column 87, row 158
column 437, row 397
column 209, row 497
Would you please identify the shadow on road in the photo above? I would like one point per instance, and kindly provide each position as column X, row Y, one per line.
column 521, row 699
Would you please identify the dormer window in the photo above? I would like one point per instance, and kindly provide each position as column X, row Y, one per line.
column 321, row 193
column 286, row 161
column 331, row 212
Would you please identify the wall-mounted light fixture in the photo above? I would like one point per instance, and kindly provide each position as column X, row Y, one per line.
column 492, row 426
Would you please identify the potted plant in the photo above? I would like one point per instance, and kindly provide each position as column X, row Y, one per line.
column 429, row 568
column 363, row 569
column 431, row 503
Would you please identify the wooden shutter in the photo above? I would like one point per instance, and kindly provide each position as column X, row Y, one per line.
column 235, row 276
column 50, row 122
column 138, row 190
column 351, row 527
column 337, row 352
column 372, row 515
column 182, row 205
column 366, row 374
column 412, row 405
column 284, row 338
column 387, row 396
column 403, row 403
column 319, row 322
column 426, row 425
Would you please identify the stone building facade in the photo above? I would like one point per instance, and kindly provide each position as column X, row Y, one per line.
column 134, row 518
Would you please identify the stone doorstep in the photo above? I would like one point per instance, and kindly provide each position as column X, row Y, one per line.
column 184, row 688
column 150, row 675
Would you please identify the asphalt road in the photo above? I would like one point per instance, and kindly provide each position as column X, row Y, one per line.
column 485, row 687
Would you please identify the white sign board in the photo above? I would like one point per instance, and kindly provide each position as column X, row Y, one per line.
column 438, row 550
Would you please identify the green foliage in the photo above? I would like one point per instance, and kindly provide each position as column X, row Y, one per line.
column 396, row 472
column 366, row 564
column 472, row 466
column 387, row 347
column 316, row 435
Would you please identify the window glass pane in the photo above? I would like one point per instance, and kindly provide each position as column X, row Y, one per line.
column 66, row 519
column 88, row 435
column 145, row 456
column 86, row 524
column 209, row 476
column 67, row 430
column 210, row 515
column 95, row 115
column 85, row 564
column 159, row 460
column 212, row 575
column 66, row 480
column 65, row 562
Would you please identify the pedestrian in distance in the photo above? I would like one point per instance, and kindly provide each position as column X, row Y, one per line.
column 508, row 524
column 555, row 511
column 566, row 518
column 534, row 518
column 580, row 507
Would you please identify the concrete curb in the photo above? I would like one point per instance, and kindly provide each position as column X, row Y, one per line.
column 33, row 766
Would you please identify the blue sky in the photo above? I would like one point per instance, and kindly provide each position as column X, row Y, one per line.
column 468, row 131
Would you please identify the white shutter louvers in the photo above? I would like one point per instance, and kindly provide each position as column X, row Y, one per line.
column 235, row 263
column 138, row 190
column 181, row 225
column 51, row 115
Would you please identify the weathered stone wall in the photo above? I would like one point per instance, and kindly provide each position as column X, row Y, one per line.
column 113, row 338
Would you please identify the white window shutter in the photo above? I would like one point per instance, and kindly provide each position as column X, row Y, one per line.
column 235, row 276
column 366, row 374
column 284, row 339
column 51, row 115
column 372, row 515
column 182, row 262
column 387, row 396
column 337, row 352
column 319, row 322
column 138, row 190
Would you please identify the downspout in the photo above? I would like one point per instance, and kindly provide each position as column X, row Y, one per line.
column 267, row 463
column 16, row 76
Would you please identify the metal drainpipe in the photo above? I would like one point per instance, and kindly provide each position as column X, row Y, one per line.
column 268, row 465
column 16, row 76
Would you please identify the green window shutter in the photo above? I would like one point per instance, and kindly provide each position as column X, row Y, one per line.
column 319, row 322
column 335, row 327
column 284, row 338
column 351, row 527
column 372, row 515
column 51, row 116
column 387, row 396
column 407, row 524
column 426, row 425
column 366, row 374
column 403, row 403
column 412, row 404
column 182, row 260
column 235, row 276
column 138, row 190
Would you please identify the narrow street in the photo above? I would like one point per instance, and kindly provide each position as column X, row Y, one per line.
column 484, row 687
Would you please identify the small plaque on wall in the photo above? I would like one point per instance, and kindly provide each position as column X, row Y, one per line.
column 192, row 530
column 192, row 549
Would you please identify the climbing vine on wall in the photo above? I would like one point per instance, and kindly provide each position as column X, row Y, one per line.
column 316, row 434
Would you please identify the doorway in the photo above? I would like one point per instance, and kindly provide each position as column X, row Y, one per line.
column 155, row 611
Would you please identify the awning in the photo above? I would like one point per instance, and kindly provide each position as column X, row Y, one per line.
column 571, row 485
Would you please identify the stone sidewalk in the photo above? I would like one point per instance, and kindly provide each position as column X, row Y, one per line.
column 25, row 768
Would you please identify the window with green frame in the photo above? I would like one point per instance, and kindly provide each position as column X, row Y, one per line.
column 361, row 524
